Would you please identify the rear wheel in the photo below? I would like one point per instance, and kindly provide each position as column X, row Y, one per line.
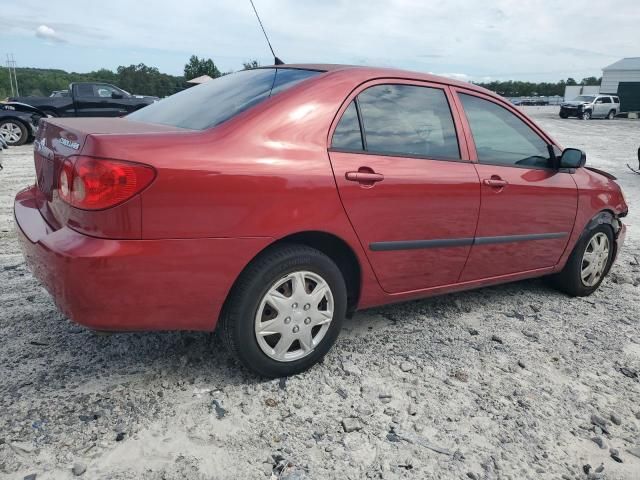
column 611, row 115
column 13, row 132
column 588, row 264
column 285, row 312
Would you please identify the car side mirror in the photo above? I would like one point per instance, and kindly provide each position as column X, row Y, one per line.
column 572, row 158
column 116, row 95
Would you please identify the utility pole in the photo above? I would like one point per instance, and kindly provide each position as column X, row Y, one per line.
column 13, row 79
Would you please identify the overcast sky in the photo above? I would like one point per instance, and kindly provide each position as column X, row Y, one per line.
column 479, row 40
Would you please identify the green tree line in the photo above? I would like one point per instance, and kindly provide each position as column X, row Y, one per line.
column 144, row 80
column 137, row 79
column 513, row 88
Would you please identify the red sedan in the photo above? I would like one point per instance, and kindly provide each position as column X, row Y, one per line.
column 273, row 202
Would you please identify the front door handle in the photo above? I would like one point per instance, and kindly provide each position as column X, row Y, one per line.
column 364, row 177
column 495, row 182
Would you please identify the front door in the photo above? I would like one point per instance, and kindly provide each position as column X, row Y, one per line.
column 527, row 208
column 411, row 195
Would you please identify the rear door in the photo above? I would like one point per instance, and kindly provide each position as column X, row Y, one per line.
column 94, row 100
column 527, row 208
column 406, row 183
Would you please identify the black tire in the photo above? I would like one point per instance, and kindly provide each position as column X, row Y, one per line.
column 24, row 132
column 236, row 326
column 564, row 115
column 586, row 115
column 611, row 115
column 569, row 280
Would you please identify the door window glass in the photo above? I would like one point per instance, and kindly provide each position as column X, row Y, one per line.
column 501, row 137
column 408, row 120
column 605, row 99
column 347, row 135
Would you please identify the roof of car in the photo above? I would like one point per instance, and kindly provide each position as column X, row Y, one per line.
column 378, row 72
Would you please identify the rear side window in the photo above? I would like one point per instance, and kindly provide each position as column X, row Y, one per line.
column 347, row 135
column 501, row 138
column 408, row 120
column 616, row 100
column 84, row 90
column 214, row 102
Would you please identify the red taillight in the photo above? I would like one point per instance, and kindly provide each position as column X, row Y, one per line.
column 66, row 181
column 95, row 184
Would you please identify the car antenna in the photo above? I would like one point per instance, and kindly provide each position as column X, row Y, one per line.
column 276, row 60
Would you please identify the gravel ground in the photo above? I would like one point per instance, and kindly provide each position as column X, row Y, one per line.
column 510, row 382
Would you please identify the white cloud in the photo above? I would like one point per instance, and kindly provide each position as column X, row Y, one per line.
column 48, row 33
column 501, row 39
column 456, row 76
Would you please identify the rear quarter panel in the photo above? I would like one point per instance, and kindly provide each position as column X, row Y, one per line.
column 266, row 173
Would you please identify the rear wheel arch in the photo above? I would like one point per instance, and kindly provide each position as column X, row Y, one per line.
column 337, row 249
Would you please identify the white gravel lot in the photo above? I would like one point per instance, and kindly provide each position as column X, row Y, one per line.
column 510, row 382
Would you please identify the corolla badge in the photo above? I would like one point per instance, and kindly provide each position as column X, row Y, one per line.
column 69, row 143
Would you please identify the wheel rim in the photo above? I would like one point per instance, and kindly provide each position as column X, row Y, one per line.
column 586, row 115
column 611, row 115
column 11, row 132
column 294, row 316
column 594, row 259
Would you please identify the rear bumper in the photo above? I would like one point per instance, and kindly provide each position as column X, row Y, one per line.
column 128, row 285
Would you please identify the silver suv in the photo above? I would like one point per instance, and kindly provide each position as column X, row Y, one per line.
column 591, row 106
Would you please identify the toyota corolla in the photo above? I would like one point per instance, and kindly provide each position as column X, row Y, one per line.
column 271, row 203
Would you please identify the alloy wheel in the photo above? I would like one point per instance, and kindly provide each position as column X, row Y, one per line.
column 11, row 132
column 294, row 316
column 595, row 259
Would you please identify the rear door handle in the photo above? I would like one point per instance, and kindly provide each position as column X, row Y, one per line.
column 364, row 177
column 495, row 182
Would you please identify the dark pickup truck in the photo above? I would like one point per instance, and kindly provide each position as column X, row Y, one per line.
column 89, row 99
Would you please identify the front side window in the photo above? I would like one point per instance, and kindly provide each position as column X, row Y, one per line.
column 106, row 91
column 501, row 137
column 605, row 99
column 408, row 120
column 216, row 101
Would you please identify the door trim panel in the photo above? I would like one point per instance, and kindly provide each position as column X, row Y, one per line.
column 461, row 242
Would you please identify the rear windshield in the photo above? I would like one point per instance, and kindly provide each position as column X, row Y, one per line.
column 216, row 101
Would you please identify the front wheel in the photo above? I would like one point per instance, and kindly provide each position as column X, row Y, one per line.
column 586, row 115
column 588, row 264
column 285, row 311
column 563, row 115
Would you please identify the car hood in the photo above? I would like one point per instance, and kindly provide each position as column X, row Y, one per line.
column 575, row 102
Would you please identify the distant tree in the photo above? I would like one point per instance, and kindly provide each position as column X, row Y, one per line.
column 571, row 81
column 199, row 66
column 590, row 81
column 250, row 64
